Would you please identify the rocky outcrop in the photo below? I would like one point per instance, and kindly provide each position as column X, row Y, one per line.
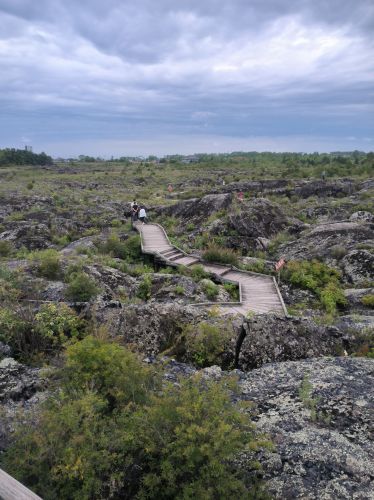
column 318, row 415
column 259, row 218
column 33, row 236
column 270, row 339
column 149, row 328
column 320, row 241
column 198, row 209
column 20, row 388
column 358, row 267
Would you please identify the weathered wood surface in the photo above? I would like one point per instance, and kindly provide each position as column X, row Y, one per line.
column 11, row 489
column 259, row 293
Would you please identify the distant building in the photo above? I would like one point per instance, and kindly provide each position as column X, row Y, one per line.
column 190, row 159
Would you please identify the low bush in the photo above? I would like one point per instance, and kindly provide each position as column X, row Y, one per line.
column 145, row 288
column 233, row 290
column 10, row 285
column 111, row 433
column 198, row 273
column 338, row 252
column 223, row 255
column 205, row 343
column 128, row 249
column 48, row 263
column 368, row 301
column 179, row 290
column 319, row 278
column 81, row 288
column 209, row 288
column 32, row 335
column 6, row 248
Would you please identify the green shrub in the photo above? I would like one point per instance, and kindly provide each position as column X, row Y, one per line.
column 139, row 270
column 198, row 273
column 111, row 433
column 210, row 289
column 145, row 288
column 57, row 324
column 256, row 266
column 128, row 249
column 29, row 334
column 179, row 290
column 6, row 248
column 233, row 290
column 48, row 263
column 368, row 301
column 81, row 288
column 206, row 343
column 338, row 252
column 332, row 296
column 318, row 278
column 10, row 284
column 223, row 255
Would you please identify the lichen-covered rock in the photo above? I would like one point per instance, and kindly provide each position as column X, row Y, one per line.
column 318, row 413
column 259, row 218
column 269, row 339
column 358, row 267
column 33, row 236
column 320, row 242
column 198, row 209
column 148, row 328
column 322, row 428
column 20, row 389
column 362, row 216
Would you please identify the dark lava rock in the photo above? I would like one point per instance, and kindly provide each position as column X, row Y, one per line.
column 358, row 266
column 318, row 413
column 19, row 390
column 149, row 328
column 272, row 339
column 27, row 234
column 260, row 217
column 320, row 241
column 323, row 435
column 198, row 209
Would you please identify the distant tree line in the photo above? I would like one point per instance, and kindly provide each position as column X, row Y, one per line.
column 12, row 156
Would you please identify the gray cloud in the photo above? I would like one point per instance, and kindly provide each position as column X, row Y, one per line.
column 232, row 68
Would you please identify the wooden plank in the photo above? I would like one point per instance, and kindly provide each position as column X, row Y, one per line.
column 11, row 489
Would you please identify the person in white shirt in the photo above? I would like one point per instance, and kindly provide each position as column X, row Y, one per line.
column 142, row 215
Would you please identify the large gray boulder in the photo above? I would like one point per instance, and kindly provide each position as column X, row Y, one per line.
column 321, row 241
column 33, row 236
column 20, row 390
column 319, row 414
column 358, row 267
column 198, row 209
column 259, row 218
column 273, row 339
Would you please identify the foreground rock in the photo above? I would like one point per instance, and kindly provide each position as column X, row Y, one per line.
column 323, row 435
column 20, row 388
column 319, row 415
column 272, row 339
column 321, row 241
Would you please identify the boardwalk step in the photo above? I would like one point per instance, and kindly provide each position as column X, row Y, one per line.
column 175, row 257
column 258, row 292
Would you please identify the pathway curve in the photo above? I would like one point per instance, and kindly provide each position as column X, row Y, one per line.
column 259, row 293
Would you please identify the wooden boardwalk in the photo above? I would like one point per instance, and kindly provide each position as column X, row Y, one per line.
column 259, row 293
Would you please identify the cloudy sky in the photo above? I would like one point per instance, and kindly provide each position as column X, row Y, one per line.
column 126, row 77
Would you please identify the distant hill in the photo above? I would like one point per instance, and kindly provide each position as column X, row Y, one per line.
column 11, row 156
